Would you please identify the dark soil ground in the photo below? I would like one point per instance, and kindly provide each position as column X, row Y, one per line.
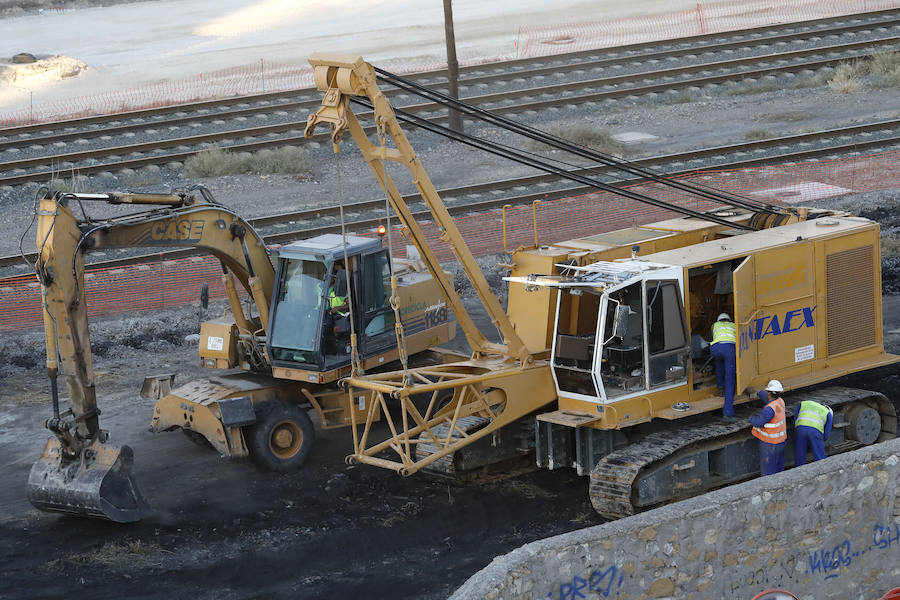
column 227, row 530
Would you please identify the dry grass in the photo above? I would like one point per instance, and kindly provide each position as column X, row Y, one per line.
column 683, row 97
column 757, row 134
column 793, row 115
column 133, row 554
column 758, row 87
column 886, row 64
column 846, row 78
column 393, row 519
column 74, row 184
column 890, row 246
column 808, row 82
column 214, row 162
column 142, row 178
column 886, row 69
column 583, row 135
column 584, row 518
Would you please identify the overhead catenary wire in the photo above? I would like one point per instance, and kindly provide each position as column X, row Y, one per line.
column 526, row 159
column 609, row 160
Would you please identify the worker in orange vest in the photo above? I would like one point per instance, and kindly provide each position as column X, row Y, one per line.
column 769, row 427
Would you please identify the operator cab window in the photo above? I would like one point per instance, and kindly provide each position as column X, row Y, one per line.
column 576, row 340
column 297, row 313
column 622, row 366
column 378, row 315
column 667, row 342
column 336, row 319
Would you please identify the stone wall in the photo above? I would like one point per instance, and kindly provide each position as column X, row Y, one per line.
column 826, row 530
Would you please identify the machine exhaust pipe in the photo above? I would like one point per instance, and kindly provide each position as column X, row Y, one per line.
column 97, row 483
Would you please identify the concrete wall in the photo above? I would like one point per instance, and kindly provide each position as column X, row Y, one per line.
column 826, row 530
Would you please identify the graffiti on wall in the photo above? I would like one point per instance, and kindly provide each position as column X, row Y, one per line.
column 600, row 583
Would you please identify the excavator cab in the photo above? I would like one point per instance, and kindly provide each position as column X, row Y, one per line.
column 314, row 293
column 620, row 332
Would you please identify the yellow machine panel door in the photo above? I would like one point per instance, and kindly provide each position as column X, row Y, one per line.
column 744, row 318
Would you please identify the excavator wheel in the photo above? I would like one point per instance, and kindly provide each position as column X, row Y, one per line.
column 282, row 436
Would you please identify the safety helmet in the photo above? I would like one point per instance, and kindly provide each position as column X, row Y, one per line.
column 775, row 387
column 723, row 317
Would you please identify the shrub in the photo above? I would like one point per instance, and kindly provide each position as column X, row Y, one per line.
column 756, row 134
column 214, row 162
column 845, row 79
column 582, row 135
column 752, row 88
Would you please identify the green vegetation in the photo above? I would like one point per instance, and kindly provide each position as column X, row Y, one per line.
column 582, row 135
column 886, row 69
column 752, row 88
column 846, row 78
column 684, row 97
column 757, row 134
column 75, row 184
column 214, row 162
column 890, row 246
column 794, row 115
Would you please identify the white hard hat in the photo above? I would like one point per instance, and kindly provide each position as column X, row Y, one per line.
column 723, row 317
column 774, row 386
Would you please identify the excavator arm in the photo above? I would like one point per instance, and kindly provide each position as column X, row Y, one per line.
column 79, row 471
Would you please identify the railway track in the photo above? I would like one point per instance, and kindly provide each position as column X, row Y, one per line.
column 287, row 226
column 39, row 153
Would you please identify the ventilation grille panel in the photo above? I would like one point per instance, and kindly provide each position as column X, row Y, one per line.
column 850, row 297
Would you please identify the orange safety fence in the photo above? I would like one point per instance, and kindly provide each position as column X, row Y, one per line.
column 709, row 17
column 266, row 76
column 171, row 283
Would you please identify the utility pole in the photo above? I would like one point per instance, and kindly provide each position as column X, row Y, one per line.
column 456, row 123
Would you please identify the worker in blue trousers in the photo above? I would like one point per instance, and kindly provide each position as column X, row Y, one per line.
column 722, row 349
column 770, row 429
column 812, row 428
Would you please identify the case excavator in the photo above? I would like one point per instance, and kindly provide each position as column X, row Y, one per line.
column 602, row 366
column 286, row 351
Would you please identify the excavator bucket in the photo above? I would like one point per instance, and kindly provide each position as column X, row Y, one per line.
column 97, row 484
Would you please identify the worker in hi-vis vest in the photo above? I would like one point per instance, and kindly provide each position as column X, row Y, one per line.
column 722, row 349
column 812, row 426
column 769, row 428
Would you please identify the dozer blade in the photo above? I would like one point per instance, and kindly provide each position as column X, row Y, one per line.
column 97, row 484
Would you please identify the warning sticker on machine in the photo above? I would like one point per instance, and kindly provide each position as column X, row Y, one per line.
column 804, row 353
column 214, row 343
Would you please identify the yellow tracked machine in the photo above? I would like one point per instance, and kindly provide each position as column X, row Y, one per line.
column 601, row 367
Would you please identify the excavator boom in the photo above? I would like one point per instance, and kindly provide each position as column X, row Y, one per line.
column 80, row 472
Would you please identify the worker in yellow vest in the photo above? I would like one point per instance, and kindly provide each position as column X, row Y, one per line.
column 722, row 349
column 812, row 426
column 770, row 429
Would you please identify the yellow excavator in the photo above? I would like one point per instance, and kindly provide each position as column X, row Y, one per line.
column 289, row 352
column 602, row 366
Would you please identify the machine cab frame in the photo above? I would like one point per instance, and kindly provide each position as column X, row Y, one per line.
column 620, row 332
column 314, row 290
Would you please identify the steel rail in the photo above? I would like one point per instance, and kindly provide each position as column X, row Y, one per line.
column 277, row 101
column 473, row 75
column 202, row 110
column 66, row 161
column 529, row 197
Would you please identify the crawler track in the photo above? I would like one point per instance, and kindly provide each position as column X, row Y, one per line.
column 617, row 480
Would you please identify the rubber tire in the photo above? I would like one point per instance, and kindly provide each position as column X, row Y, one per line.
column 275, row 414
